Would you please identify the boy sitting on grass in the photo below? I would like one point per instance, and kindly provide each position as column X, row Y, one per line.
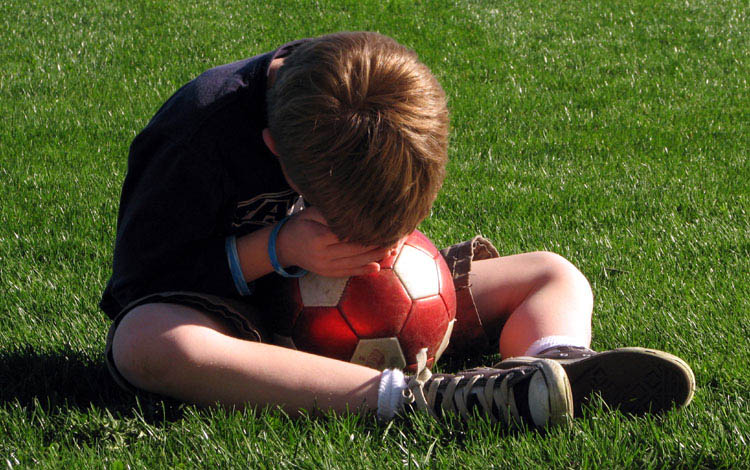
column 354, row 128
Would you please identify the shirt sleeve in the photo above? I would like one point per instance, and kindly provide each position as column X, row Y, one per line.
column 170, row 234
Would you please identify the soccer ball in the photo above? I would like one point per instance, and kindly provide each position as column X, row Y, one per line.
column 380, row 320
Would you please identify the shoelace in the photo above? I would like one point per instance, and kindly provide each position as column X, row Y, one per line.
column 456, row 395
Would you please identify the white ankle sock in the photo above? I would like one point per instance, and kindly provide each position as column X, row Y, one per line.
column 390, row 393
column 552, row 341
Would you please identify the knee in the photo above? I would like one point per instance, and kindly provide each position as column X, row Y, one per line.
column 146, row 346
column 560, row 271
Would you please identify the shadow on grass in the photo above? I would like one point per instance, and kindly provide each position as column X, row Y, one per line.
column 62, row 380
column 459, row 362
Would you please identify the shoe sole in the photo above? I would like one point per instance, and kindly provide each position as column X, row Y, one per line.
column 634, row 380
column 558, row 392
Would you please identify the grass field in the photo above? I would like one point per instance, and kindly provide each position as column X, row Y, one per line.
column 615, row 133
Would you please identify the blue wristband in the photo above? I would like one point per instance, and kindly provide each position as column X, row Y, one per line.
column 230, row 246
column 272, row 252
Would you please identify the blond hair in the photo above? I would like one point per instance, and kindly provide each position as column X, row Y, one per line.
column 361, row 128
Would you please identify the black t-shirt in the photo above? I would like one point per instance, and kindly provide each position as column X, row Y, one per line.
column 198, row 172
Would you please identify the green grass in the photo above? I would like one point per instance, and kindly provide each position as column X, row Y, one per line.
column 614, row 133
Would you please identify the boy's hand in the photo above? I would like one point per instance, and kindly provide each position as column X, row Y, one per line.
column 307, row 242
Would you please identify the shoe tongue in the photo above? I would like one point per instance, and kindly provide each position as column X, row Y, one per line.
column 472, row 398
column 520, row 399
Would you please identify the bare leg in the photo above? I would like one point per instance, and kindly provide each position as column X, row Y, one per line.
column 530, row 296
column 183, row 353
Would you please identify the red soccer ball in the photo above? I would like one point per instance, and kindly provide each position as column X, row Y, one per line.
column 380, row 320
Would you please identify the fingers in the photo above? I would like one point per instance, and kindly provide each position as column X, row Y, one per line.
column 370, row 268
column 349, row 260
column 341, row 251
column 316, row 248
column 372, row 256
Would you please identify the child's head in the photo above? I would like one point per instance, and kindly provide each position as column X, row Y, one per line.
column 361, row 128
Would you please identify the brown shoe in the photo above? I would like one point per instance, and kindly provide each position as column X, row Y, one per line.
column 536, row 394
column 633, row 380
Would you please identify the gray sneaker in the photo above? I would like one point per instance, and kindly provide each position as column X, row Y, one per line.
column 536, row 394
column 633, row 380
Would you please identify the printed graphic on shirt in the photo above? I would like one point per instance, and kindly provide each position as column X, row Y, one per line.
column 264, row 209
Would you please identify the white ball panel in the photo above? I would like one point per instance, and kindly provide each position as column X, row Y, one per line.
column 379, row 353
column 418, row 272
column 446, row 340
column 319, row 291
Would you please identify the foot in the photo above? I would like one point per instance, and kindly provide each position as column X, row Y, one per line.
column 536, row 394
column 633, row 380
